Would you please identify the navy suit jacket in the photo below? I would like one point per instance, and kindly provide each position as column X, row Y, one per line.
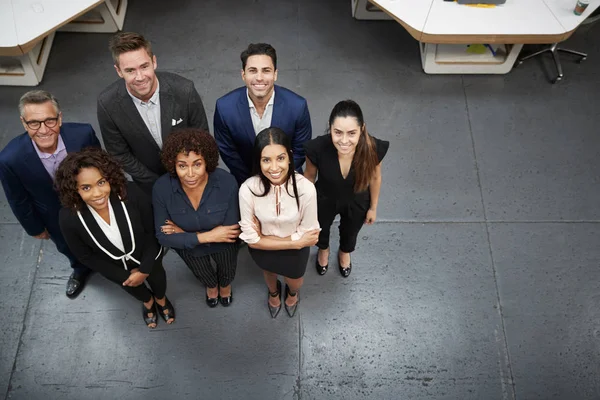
column 235, row 134
column 28, row 187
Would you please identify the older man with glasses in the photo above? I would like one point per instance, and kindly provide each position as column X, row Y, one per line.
column 27, row 167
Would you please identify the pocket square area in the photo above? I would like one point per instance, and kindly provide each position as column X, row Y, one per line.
column 173, row 122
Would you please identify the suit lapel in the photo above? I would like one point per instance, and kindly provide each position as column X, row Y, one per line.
column 277, row 119
column 129, row 110
column 246, row 119
column 99, row 235
column 167, row 110
column 122, row 222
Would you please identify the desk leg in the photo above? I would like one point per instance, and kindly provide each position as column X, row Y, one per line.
column 28, row 69
column 108, row 17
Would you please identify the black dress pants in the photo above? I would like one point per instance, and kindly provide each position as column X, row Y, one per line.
column 157, row 280
column 352, row 218
column 202, row 268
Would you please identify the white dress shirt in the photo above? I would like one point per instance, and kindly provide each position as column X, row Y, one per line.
column 257, row 122
column 150, row 113
column 112, row 232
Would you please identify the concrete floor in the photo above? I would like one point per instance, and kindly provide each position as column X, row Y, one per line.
column 479, row 281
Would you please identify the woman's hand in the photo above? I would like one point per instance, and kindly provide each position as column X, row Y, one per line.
column 136, row 278
column 169, row 227
column 225, row 234
column 371, row 216
column 257, row 226
column 309, row 238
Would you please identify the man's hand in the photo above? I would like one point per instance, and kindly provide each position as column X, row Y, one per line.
column 44, row 235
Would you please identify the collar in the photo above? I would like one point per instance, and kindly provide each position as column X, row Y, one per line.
column 111, row 212
column 153, row 100
column 269, row 103
column 59, row 147
column 213, row 181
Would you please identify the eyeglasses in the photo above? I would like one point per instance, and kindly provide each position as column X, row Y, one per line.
column 49, row 122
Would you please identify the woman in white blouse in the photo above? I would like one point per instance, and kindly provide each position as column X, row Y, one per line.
column 278, row 209
column 108, row 225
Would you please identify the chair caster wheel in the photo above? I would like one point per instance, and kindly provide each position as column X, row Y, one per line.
column 520, row 62
column 558, row 79
column 582, row 60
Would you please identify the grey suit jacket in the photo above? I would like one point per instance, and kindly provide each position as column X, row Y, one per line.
column 126, row 136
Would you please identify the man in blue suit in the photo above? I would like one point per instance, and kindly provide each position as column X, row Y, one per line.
column 241, row 114
column 27, row 167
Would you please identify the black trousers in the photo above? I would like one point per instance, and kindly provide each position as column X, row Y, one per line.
column 157, row 280
column 202, row 268
column 352, row 218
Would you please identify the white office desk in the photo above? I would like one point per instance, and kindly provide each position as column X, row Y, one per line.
column 563, row 12
column 514, row 23
column 514, row 18
column 27, row 30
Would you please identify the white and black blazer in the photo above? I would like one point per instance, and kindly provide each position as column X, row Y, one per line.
column 92, row 248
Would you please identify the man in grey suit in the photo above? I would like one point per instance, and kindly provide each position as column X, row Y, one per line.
column 137, row 113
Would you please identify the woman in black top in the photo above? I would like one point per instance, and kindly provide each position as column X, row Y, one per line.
column 196, row 211
column 348, row 163
column 107, row 224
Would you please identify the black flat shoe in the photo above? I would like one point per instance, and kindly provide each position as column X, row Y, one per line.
column 291, row 310
column 346, row 271
column 168, row 307
column 227, row 300
column 212, row 301
column 75, row 284
column 147, row 318
column 321, row 270
column 275, row 310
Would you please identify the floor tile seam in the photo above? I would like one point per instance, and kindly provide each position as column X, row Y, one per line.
column 505, row 352
column 512, row 383
column 20, row 341
column 298, row 388
column 468, row 114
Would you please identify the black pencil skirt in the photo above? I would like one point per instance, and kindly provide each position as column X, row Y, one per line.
column 288, row 263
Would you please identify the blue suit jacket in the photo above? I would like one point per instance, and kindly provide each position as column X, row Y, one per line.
column 235, row 134
column 28, row 186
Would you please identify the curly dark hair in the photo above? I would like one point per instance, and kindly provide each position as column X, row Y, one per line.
column 186, row 140
column 65, row 180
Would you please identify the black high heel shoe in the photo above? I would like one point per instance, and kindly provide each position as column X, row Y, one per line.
column 168, row 307
column 291, row 310
column 147, row 319
column 345, row 271
column 275, row 310
column 321, row 270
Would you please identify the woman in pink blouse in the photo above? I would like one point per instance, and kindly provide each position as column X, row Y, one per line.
column 278, row 209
